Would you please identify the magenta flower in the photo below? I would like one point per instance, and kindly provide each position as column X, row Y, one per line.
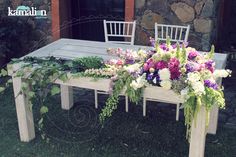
column 164, row 47
column 173, row 66
column 173, row 63
column 192, row 55
column 161, row 65
column 145, row 67
column 210, row 65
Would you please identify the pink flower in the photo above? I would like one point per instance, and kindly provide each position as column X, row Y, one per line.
column 173, row 66
column 192, row 55
column 145, row 67
column 161, row 65
column 173, row 63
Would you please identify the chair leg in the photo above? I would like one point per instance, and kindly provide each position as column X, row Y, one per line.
column 126, row 104
column 144, row 106
column 96, row 98
column 177, row 112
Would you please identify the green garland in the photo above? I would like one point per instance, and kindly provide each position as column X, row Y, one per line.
column 123, row 82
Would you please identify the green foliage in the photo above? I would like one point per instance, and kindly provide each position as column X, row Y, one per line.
column 210, row 54
column 123, row 82
column 194, row 103
column 55, row 90
column 81, row 64
column 43, row 110
column 183, row 58
column 3, row 73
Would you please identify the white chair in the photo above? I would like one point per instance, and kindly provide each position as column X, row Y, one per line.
column 126, row 32
column 174, row 32
column 119, row 29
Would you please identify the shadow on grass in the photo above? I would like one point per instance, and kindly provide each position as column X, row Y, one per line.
column 78, row 133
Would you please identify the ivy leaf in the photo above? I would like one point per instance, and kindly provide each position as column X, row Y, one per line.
column 55, row 90
column 3, row 72
column 43, row 109
column 24, row 86
column 2, row 89
column 31, row 94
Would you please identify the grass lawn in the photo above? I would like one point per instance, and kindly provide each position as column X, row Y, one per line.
column 78, row 133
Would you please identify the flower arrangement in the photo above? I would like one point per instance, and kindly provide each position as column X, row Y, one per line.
column 177, row 67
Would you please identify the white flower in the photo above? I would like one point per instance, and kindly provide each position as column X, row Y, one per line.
column 221, row 73
column 198, row 88
column 193, row 77
column 133, row 68
column 139, row 82
column 164, row 74
column 166, row 84
column 184, row 93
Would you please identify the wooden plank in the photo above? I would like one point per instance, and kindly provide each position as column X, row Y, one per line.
column 72, row 55
column 213, row 121
column 159, row 93
column 24, row 111
column 198, row 135
column 86, row 82
column 67, row 100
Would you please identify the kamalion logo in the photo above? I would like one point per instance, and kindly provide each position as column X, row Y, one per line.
column 26, row 11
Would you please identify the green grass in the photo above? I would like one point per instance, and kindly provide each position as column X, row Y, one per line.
column 77, row 133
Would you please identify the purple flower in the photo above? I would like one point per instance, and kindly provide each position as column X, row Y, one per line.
column 164, row 47
column 152, row 41
column 192, row 66
column 174, row 46
column 150, row 76
column 129, row 61
column 210, row 65
column 210, row 84
column 192, row 55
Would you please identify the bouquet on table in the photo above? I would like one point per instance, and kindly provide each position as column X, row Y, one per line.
column 177, row 67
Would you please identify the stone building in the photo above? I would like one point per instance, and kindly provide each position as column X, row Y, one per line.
column 204, row 17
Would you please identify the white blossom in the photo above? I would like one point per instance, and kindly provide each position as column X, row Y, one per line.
column 221, row 73
column 193, row 77
column 133, row 68
column 139, row 82
column 164, row 74
column 198, row 88
column 166, row 84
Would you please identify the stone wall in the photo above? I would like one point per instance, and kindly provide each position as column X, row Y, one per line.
column 201, row 15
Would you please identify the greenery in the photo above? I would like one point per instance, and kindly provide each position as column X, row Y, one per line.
column 41, row 72
column 122, row 82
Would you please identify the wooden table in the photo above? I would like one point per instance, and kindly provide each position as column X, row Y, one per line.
column 70, row 49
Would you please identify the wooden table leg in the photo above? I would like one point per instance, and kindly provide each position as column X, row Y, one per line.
column 24, row 112
column 198, row 135
column 213, row 122
column 67, row 100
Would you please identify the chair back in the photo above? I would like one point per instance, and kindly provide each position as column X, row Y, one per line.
column 174, row 32
column 114, row 30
